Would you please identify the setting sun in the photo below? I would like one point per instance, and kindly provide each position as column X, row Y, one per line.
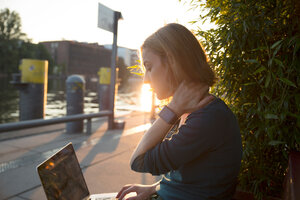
column 146, row 98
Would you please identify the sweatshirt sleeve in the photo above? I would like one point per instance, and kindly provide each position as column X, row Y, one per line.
column 199, row 135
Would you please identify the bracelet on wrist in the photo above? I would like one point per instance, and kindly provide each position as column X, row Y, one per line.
column 168, row 115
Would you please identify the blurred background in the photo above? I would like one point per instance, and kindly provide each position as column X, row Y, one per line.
column 66, row 34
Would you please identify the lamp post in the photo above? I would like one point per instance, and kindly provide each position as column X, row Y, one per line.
column 108, row 20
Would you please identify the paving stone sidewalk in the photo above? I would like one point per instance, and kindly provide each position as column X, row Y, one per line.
column 103, row 156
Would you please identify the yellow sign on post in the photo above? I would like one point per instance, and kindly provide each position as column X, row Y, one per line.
column 34, row 75
column 104, row 75
column 34, row 71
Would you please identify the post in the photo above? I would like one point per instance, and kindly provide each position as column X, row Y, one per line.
column 104, row 88
column 89, row 126
column 75, row 87
column 32, row 85
column 108, row 20
column 111, row 123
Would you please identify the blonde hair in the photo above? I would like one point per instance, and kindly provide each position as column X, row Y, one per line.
column 182, row 54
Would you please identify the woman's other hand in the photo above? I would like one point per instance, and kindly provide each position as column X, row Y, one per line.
column 143, row 191
column 190, row 97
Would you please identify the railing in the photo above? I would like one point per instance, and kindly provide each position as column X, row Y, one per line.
column 43, row 122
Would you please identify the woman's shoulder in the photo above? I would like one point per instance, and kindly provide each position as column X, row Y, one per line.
column 214, row 111
column 216, row 105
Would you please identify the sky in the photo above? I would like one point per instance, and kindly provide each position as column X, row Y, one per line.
column 49, row 20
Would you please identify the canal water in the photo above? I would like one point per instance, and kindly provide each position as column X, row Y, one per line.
column 56, row 100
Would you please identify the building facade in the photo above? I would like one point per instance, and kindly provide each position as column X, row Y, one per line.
column 86, row 59
column 72, row 57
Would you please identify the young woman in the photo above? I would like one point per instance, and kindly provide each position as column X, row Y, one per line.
column 202, row 159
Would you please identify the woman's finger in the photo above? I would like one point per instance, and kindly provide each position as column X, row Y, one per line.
column 138, row 197
column 127, row 191
column 123, row 188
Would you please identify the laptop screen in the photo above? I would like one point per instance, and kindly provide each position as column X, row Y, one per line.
column 61, row 176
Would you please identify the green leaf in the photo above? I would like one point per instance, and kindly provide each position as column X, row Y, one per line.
column 270, row 62
column 268, row 80
column 275, row 142
column 278, row 62
column 140, row 74
column 251, row 61
column 132, row 67
column 250, row 83
column 288, row 82
column 271, row 116
column 260, row 48
column 297, row 46
column 276, row 50
column 248, row 104
column 262, row 68
column 276, row 44
column 293, row 115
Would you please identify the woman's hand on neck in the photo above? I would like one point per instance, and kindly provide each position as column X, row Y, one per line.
column 190, row 97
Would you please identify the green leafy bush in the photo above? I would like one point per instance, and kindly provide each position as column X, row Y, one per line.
column 255, row 52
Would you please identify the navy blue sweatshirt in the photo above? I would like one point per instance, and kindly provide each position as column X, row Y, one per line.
column 202, row 160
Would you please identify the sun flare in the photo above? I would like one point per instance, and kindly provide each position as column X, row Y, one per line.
column 146, row 98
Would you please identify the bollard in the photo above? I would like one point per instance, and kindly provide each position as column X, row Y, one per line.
column 104, row 94
column 75, row 86
column 32, row 86
column 104, row 88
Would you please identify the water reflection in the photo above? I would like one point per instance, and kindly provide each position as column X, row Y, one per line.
column 56, row 100
column 9, row 101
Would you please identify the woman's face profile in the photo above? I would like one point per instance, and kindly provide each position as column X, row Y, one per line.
column 156, row 74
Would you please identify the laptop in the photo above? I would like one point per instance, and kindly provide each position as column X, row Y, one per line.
column 62, row 178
